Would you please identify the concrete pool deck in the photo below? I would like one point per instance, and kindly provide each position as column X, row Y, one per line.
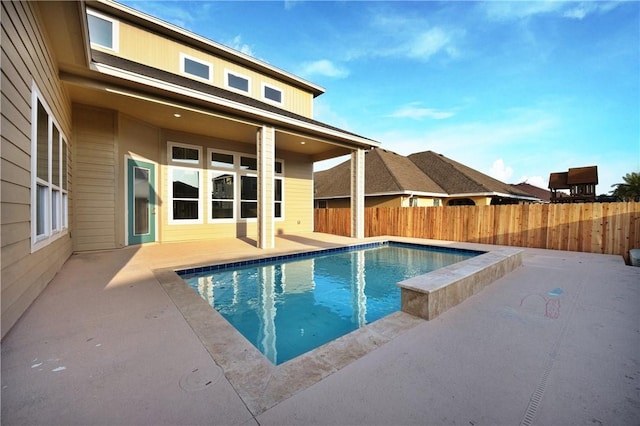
column 556, row 341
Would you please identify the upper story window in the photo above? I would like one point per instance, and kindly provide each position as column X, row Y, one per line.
column 271, row 93
column 103, row 30
column 195, row 67
column 237, row 81
column 49, row 176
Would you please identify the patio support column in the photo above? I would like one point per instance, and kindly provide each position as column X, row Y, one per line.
column 357, row 194
column 266, row 142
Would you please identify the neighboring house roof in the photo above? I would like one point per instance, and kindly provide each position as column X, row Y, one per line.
column 386, row 173
column 575, row 176
column 425, row 173
column 457, row 179
column 534, row 191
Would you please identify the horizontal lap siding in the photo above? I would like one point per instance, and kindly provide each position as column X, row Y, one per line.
column 607, row 228
column 25, row 58
column 96, row 173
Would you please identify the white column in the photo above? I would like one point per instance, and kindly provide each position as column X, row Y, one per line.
column 357, row 194
column 266, row 157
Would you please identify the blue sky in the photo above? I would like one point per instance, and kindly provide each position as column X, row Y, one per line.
column 515, row 90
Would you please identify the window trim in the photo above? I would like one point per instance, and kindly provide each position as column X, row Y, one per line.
column 171, row 219
column 228, row 72
column 209, row 65
column 238, row 173
column 183, row 163
column 263, row 88
column 51, row 232
column 115, row 30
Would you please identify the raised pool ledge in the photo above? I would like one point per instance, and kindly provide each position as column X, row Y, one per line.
column 429, row 295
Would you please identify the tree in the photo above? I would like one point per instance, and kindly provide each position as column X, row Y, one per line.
column 630, row 189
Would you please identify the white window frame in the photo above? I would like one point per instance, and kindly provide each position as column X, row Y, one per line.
column 52, row 208
column 198, row 220
column 184, row 57
column 232, row 170
column 238, row 172
column 180, row 162
column 115, row 31
column 187, row 165
column 264, row 86
column 228, row 72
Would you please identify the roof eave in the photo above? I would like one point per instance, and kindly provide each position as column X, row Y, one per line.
column 250, row 111
column 163, row 27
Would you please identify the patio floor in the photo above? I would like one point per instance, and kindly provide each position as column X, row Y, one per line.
column 557, row 341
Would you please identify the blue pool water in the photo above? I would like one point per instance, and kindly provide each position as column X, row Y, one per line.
column 289, row 305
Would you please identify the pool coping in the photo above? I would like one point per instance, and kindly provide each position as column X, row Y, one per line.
column 261, row 384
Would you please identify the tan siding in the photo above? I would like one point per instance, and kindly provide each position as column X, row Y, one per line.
column 26, row 57
column 298, row 190
column 140, row 140
column 141, row 46
column 95, row 174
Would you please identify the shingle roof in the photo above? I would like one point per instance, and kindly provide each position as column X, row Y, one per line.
column 535, row 191
column 389, row 173
column 138, row 68
column 456, row 178
column 385, row 173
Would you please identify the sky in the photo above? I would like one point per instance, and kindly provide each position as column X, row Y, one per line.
column 516, row 90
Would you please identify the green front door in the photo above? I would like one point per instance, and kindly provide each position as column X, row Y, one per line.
column 141, row 202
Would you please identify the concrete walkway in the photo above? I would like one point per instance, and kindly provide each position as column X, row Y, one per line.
column 555, row 342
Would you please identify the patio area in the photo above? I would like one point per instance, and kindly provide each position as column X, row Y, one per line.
column 111, row 341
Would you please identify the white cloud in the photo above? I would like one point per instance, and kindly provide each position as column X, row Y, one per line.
column 415, row 112
column 323, row 67
column 583, row 9
column 512, row 10
column 237, row 44
column 428, row 43
column 501, row 171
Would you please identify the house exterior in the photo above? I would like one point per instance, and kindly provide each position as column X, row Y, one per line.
column 580, row 181
column 423, row 179
column 542, row 194
column 120, row 129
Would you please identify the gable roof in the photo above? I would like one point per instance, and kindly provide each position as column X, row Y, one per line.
column 425, row 173
column 457, row 179
column 533, row 190
column 386, row 173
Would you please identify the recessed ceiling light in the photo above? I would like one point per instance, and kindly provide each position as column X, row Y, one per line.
column 177, row 115
column 302, row 142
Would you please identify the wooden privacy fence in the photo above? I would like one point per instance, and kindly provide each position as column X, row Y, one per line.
column 607, row 228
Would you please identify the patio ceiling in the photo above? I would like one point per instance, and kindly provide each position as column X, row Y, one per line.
column 196, row 119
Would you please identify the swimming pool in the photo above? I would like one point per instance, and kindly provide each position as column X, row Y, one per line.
column 290, row 304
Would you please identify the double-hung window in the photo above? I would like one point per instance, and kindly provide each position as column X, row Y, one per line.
column 248, row 188
column 222, row 178
column 234, row 187
column 49, row 182
column 278, row 188
column 185, row 184
column 103, row 30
